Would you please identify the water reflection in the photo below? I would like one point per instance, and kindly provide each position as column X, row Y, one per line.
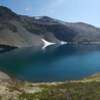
column 53, row 64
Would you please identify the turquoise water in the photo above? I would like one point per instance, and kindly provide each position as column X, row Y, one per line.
column 53, row 64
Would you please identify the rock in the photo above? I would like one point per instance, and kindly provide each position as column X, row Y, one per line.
column 4, row 76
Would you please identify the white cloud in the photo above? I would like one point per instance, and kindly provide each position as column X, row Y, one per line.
column 27, row 9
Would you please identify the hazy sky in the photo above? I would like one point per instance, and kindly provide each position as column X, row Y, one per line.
column 68, row 10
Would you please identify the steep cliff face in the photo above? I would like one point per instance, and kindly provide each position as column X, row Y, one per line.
column 23, row 31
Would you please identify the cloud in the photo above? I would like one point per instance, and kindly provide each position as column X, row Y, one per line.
column 27, row 9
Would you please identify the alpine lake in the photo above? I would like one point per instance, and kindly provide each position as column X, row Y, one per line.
column 67, row 62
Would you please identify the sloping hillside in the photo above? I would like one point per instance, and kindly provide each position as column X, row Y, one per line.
column 22, row 31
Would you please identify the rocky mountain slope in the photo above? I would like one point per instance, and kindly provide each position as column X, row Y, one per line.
column 23, row 31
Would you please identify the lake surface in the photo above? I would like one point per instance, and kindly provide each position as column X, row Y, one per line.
column 61, row 63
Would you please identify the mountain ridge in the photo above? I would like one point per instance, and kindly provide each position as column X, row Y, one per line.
column 24, row 31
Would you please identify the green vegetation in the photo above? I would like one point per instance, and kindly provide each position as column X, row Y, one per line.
column 86, row 89
column 66, row 91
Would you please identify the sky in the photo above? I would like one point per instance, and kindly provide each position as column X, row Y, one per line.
column 67, row 10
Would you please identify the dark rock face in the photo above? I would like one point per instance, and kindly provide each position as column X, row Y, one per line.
column 22, row 31
column 62, row 32
column 7, row 13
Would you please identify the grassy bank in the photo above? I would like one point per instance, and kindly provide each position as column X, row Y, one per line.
column 86, row 89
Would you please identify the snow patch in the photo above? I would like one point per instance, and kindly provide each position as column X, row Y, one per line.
column 46, row 43
column 63, row 42
column 38, row 17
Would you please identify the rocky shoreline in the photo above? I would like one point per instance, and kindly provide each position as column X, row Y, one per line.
column 4, row 76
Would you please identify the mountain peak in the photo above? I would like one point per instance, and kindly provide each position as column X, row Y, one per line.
column 42, row 17
column 6, row 13
column 46, row 19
